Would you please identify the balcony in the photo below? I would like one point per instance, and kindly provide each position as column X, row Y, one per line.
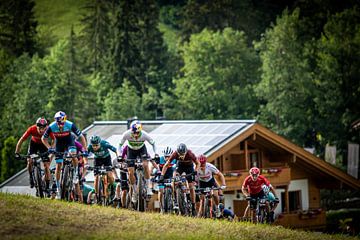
column 276, row 176
column 311, row 219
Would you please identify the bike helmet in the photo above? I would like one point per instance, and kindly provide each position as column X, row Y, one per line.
column 167, row 151
column 95, row 139
column 181, row 149
column 202, row 159
column 72, row 150
column 221, row 206
column 41, row 122
column 254, row 172
column 60, row 117
column 266, row 189
column 136, row 127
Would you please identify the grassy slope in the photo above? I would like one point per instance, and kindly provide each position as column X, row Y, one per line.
column 31, row 218
column 59, row 15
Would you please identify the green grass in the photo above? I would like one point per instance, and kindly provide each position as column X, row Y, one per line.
column 57, row 16
column 25, row 217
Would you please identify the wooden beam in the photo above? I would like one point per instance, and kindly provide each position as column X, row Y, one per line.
column 247, row 164
column 287, row 199
column 254, row 137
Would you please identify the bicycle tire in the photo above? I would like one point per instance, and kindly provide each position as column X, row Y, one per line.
column 181, row 201
column 65, row 183
column 141, row 196
column 206, row 212
column 167, row 204
column 38, row 182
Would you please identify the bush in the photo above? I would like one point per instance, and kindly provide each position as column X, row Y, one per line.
column 343, row 221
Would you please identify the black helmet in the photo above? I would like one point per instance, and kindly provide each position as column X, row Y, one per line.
column 182, row 149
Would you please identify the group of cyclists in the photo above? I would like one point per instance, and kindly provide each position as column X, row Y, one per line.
column 62, row 136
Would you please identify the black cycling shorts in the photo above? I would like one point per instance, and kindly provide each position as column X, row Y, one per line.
column 255, row 197
column 208, row 184
column 187, row 169
column 35, row 148
column 134, row 154
column 98, row 162
column 124, row 185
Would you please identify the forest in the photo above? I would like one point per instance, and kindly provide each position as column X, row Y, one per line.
column 294, row 66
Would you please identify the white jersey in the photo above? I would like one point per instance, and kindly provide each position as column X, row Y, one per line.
column 207, row 174
column 137, row 143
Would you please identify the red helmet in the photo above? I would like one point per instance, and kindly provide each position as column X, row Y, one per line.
column 254, row 172
column 41, row 122
column 202, row 159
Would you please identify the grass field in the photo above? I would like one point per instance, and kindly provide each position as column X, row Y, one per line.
column 25, row 217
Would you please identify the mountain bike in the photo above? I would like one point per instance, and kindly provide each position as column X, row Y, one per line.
column 261, row 210
column 67, row 183
column 142, row 198
column 102, row 171
column 123, row 181
column 208, row 208
column 37, row 172
column 183, row 195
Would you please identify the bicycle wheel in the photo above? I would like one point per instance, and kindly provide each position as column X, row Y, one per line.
column 167, row 204
column 38, row 182
column 181, row 201
column 65, row 183
column 141, row 195
column 206, row 212
column 101, row 194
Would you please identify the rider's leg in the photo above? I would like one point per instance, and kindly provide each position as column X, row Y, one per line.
column 29, row 168
column 192, row 192
column 47, row 174
column 96, row 184
column 201, row 205
column 160, row 197
column 147, row 176
column 106, row 183
column 246, row 211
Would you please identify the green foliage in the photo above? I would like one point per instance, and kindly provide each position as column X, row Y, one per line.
column 122, row 103
column 286, row 83
column 9, row 166
column 338, row 77
column 343, row 220
column 218, row 74
column 18, row 27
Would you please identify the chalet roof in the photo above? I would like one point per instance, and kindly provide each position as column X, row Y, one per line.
column 301, row 156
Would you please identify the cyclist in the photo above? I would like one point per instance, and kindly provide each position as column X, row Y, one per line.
column 79, row 149
column 62, row 129
column 136, row 138
column 123, row 186
column 36, row 131
column 100, row 149
column 273, row 202
column 185, row 164
column 252, row 187
column 168, row 174
column 226, row 213
column 206, row 180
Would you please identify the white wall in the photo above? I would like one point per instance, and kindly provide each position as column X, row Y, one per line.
column 19, row 189
column 303, row 186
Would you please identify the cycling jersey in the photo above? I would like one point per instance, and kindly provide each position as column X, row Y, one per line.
column 228, row 213
column 79, row 146
column 64, row 135
column 35, row 135
column 169, row 172
column 188, row 159
column 207, row 174
column 103, row 151
column 136, row 143
column 254, row 187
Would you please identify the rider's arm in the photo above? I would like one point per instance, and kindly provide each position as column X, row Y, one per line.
column 273, row 190
column 196, row 161
column 222, row 178
column 45, row 137
column 168, row 162
column 244, row 188
column 21, row 140
column 155, row 165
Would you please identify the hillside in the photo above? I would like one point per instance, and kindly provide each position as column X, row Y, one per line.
column 31, row 218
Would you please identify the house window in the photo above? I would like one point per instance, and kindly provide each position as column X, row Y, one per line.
column 294, row 201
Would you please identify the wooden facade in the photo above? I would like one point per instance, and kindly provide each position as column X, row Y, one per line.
column 297, row 175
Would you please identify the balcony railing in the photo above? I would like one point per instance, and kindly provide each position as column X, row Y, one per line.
column 276, row 176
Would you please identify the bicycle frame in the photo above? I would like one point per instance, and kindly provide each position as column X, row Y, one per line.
column 101, row 171
column 182, row 190
column 207, row 203
column 37, row 172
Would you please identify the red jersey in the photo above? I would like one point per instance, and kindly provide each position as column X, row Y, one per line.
column 254, row 187
column 35, row 135
column 188, row 160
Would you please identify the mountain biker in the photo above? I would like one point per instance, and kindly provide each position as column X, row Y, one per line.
column 273, row 202
column 36, row 145
column 206, row 180
column 81, row 173
column 226, row 213
column 123, row 187
column 62, row 130
column 185, row 164
column 136, row 138
column 100, row 149
column 168, row 174
column 252, row 187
